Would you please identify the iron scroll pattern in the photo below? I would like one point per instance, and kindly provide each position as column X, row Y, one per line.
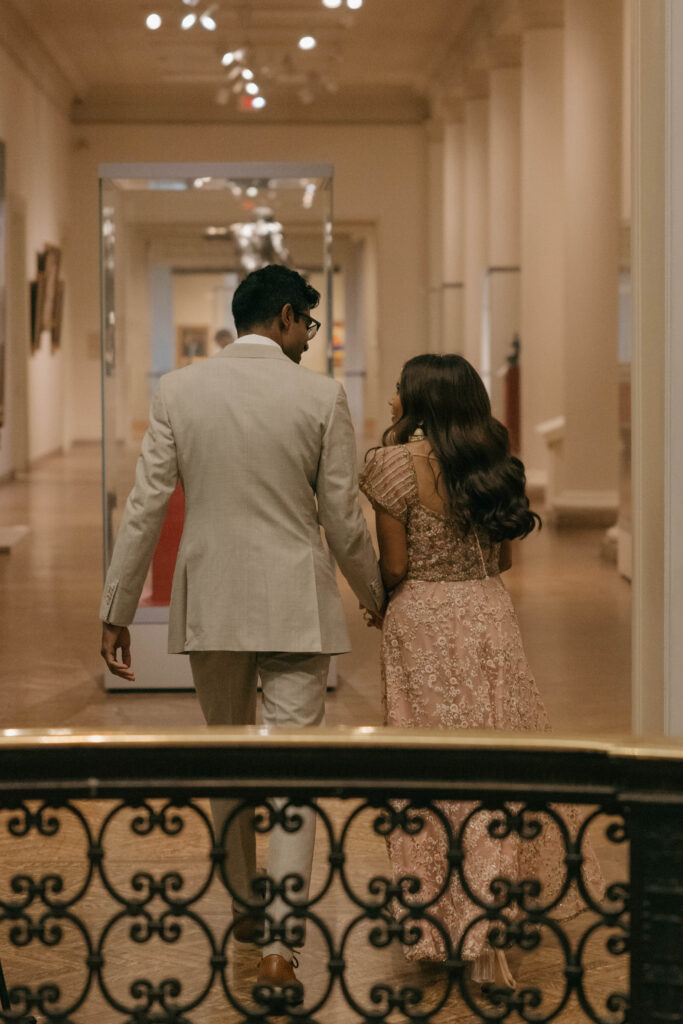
column 118, row 910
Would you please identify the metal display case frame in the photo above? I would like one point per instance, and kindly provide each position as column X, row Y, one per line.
column 175, row 200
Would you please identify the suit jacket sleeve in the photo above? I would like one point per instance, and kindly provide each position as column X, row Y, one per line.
column 155, row 479
column 339, row 508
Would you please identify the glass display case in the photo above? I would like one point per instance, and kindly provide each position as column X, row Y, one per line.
column 176, row 239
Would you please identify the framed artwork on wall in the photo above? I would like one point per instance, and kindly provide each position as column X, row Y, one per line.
column 37, row 298
column 191, row 343
column 58, row 310
column 52, row 257
column 47, row 297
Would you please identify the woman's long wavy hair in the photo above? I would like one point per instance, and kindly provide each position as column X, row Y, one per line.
column 482, row 483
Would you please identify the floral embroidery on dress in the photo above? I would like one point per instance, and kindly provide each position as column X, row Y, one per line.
column 452, row 658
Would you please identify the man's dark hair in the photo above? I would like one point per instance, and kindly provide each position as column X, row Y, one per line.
column 263, row 293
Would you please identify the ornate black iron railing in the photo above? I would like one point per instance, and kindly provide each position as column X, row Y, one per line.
column 115, row 896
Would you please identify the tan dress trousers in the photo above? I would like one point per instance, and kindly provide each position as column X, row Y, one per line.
column 293, row 691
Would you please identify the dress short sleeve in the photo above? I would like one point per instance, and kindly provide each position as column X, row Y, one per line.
column 388, row 481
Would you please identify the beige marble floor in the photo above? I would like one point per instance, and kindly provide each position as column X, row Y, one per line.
column 574, row 612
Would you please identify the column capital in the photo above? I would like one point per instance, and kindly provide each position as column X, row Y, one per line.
column 448, row 108
column 476, row 84
column 434, row 129
column 542, row 14
column 505, row 51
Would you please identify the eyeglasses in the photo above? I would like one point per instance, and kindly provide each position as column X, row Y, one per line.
column 312, row 325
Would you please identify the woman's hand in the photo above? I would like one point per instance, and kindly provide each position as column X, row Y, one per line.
column 372, row 619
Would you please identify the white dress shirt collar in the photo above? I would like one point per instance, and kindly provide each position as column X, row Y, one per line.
column 255, row 339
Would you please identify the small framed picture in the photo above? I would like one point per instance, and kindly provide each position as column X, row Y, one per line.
column 56, row 331
column 52, row 259
column 192, row 343
column 37, row 298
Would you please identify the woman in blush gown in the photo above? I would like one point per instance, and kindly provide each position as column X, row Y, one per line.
column 448, row 498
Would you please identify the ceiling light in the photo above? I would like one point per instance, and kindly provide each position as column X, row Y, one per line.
column 153, row 21
column 354, row 4
column 191, row 3
column 207, row 21
column 252, row 191
column 252, row 88
column 307, row 43
column 258, row 102
column 188, row 21
column 227, row 59
column 332, row 3
column 247, row 74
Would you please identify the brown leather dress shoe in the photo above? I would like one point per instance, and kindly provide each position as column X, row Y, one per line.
column 278, row 974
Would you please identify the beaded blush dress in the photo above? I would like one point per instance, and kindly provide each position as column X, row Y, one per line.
column 452, row 658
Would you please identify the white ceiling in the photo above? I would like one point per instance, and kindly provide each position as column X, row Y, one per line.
column 381, row 62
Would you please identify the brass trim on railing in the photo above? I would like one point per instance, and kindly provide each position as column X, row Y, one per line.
column 342, row 737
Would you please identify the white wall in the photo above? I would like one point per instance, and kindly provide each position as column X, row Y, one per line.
column 542, row 242
column 380, row 180
column 37, row 137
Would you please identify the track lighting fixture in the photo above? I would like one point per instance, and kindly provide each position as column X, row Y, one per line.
column 240, row 81
column 205, row 18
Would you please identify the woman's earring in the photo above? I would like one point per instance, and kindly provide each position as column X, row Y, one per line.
column 418, row 434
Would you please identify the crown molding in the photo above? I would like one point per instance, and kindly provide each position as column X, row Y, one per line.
column 173, row 105
column 34, row 58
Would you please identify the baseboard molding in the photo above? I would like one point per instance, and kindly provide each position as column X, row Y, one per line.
column 536, row 486
column 40, row 459
column 10, row 537
column 585, row 508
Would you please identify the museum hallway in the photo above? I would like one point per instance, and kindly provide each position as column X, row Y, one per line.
column 575, row 618
column 574, row 613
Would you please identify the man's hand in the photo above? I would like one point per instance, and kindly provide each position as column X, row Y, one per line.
column 372, row 619
column 113, row 638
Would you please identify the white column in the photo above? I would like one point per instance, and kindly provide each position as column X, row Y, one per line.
column 504, row 255
column 657, row 33
column 542, row 238
column 452, row 300
column 435, row 185
column 476, row 212
column 588, row 468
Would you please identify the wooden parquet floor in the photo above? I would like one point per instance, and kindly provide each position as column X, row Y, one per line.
column 574, row 612
column 126, row 856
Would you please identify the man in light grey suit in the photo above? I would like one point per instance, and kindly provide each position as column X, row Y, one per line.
column 265, row 451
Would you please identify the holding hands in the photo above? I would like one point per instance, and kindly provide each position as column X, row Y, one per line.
column 372, row 619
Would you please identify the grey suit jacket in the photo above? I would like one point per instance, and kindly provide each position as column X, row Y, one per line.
column 266, row 454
